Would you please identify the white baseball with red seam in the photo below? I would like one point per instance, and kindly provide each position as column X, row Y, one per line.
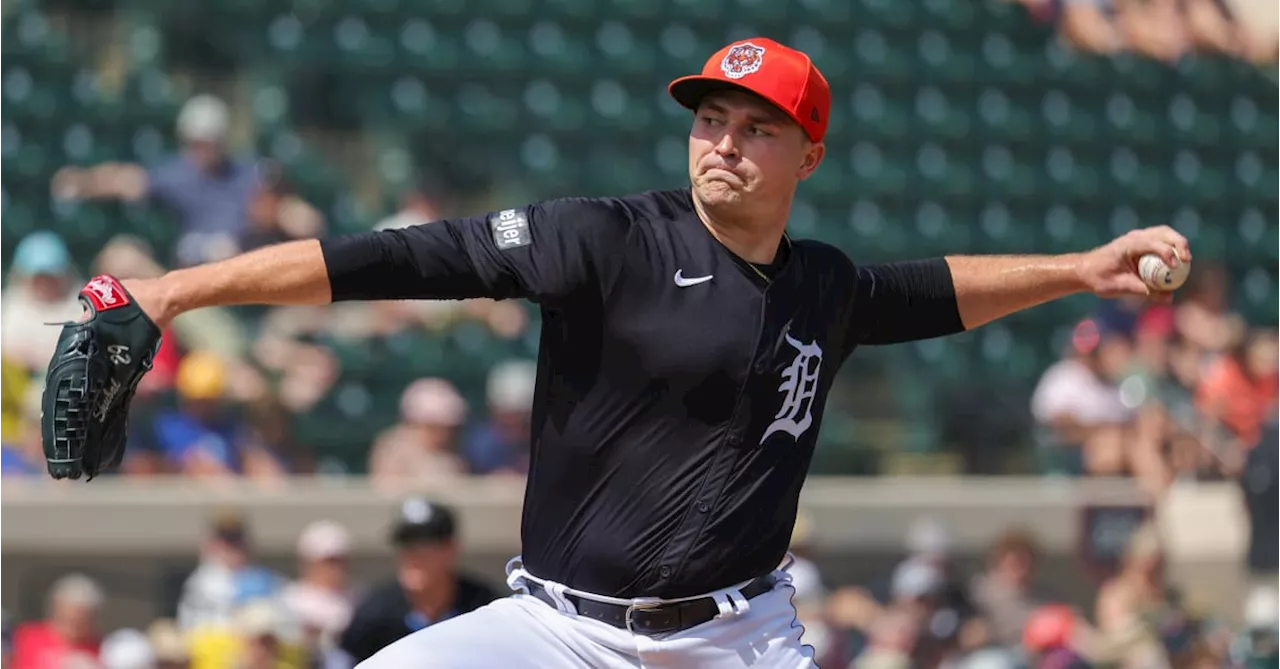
column 1160, row 276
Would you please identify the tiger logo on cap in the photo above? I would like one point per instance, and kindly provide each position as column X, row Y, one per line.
column 742, row 59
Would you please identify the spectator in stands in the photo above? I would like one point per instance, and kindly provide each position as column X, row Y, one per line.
column 1048, row 638
column 424, row 202
column 1081, row 419
column 929, row 541
column 321, row 599
column 423, row 445
column 169, row 645
column 42, row 288
column 1238, row 389
column 23, row 454
column 259, row 635
column 6, row 640
column 1136, row 610
column 1148, row 387
column 276, row 212
column 1258, row 645
column 224, row 576
column 890, row 642
column 1244, row 29
column 1203, row 316
column 1193, row 441
column 1087, row 25
column 1153, row 28
column 71, row 631
column 15, row 386
column 127, row 648
column 1002, row 591
column 205, row 436
column 919, row 590
column 500, row 443
column 1210, row 27
column 427, row 589
column 210, row 190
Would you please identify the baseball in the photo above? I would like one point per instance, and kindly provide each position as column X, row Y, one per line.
column 1160, row 276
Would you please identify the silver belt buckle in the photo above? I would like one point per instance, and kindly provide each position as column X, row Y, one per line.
column 638, row 606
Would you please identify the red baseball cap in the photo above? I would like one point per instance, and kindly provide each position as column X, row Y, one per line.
column 777, row 73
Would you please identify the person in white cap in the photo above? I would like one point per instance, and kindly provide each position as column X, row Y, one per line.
column 423, row 445
column 500, row 445
column 321, row 598
column 210, row 190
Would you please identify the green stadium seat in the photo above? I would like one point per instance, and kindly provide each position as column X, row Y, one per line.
column 20, row 220
column 516, row 9
column 622, row 53
column 877, row 114
column 953, row 16
column 581, row 10
column 998, row 119
column 874, row 234
column 765, row 12
column 631, row 10
column 887, row 13
column 1007, row 231
column 881, row 58
column 558, row 53
column 1248, row 125
column 490, row 50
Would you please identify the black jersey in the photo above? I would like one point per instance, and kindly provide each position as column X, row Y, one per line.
column 680, row 389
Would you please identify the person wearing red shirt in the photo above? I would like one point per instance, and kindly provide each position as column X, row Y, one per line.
column 70, row 632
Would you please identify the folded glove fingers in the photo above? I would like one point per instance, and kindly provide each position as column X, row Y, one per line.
column 67, row 405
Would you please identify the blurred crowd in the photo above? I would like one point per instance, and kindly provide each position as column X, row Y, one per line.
column 228, row 384
column 1166, row 30
column 235, row 613
column 1162, row 392
column 927, row 612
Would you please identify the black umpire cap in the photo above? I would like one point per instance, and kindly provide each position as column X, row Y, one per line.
column 422, row 521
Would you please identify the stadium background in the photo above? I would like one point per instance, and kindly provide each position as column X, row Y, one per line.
column 957, row 127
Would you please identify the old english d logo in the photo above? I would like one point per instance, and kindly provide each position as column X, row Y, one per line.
column 742, row 59
column 800, row 388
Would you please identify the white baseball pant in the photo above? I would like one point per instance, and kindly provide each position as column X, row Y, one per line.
column 522, row 631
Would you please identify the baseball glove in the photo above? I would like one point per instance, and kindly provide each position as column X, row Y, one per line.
column 91, row 380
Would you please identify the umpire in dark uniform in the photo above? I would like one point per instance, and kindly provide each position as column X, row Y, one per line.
column 427, row 588
column 688, row 345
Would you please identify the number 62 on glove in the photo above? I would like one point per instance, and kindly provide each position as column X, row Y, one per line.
column 92, row 377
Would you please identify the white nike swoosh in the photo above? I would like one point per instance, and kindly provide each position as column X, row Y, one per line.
column 685, row 283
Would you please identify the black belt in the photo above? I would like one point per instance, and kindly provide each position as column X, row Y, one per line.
column 656, row 619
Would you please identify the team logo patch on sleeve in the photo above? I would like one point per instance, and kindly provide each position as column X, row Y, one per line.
column 510, row 229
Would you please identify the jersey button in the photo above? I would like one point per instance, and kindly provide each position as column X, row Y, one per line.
column 760, row 367
column 703, row 507
column 735, row 438
column 664, row 571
